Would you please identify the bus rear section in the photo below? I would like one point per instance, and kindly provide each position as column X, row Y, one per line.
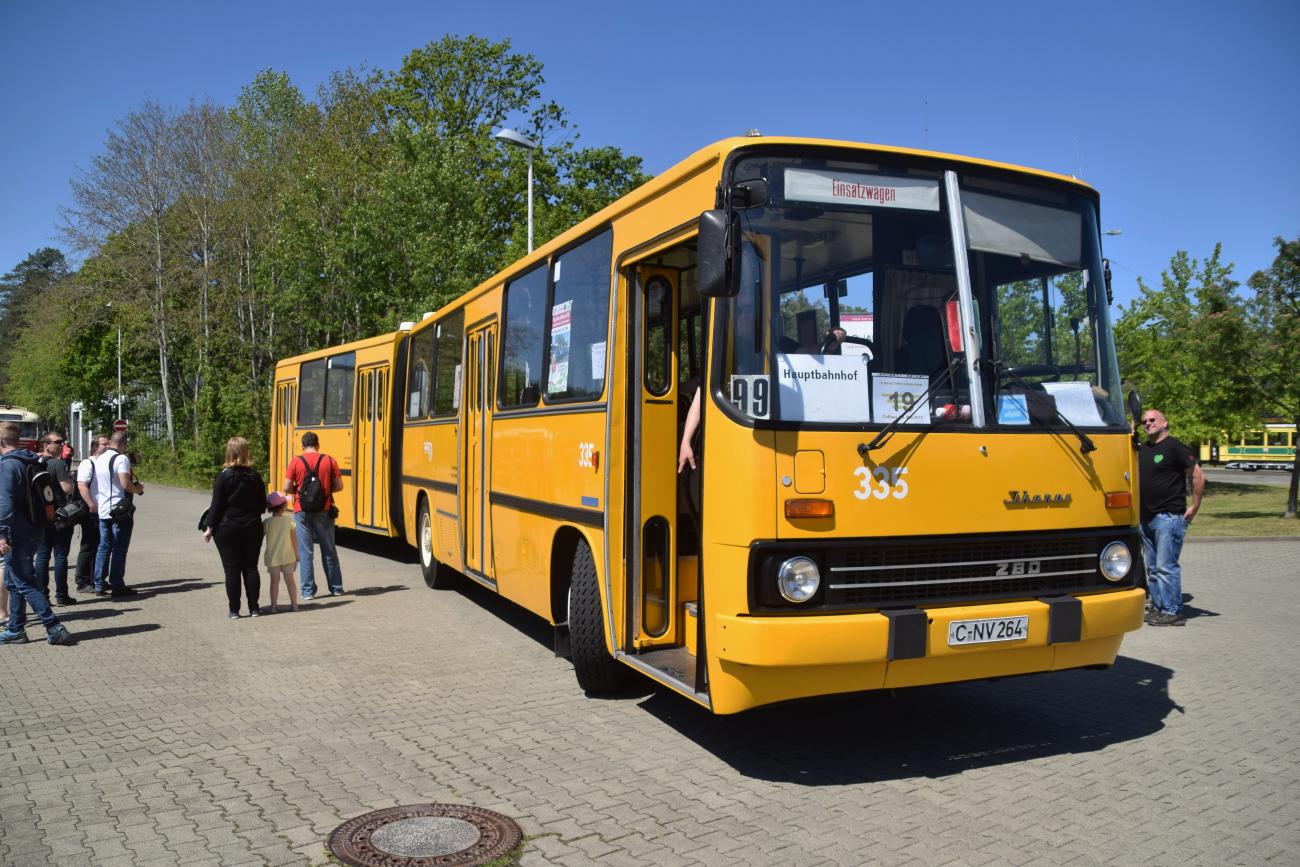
column 346, row 395
column 29, row 426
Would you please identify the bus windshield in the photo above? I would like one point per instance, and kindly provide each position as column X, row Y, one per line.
column 849, row 310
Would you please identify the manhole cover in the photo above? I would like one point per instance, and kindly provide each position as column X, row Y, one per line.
column 423, row 835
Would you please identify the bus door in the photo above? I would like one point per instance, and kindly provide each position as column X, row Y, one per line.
column 476, row 482
column 655, row 595
column 369, row 474
column 284, row 424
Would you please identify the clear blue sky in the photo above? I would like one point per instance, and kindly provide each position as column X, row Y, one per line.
column 1186, row 114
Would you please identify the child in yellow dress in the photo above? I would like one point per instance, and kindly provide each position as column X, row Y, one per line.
column 281, row 549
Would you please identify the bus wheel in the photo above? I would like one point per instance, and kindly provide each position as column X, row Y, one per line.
column 597, row 671
column 436, row 575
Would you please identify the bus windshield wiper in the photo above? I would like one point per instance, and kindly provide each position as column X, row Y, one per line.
column 887, row 432
column 999, row 367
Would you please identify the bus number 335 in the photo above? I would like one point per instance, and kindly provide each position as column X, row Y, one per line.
column 878, row 482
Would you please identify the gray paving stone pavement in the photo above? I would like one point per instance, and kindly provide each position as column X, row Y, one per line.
column 172, row 735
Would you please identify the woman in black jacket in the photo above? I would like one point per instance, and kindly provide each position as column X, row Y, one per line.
column 235, row 522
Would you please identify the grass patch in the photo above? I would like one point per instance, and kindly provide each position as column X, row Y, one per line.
column 1243, row 510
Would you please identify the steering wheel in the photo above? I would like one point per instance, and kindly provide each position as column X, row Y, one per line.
column 1051, row 371
column 848, row 338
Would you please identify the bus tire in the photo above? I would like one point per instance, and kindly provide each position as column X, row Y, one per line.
column 437, row 575
column 597, row 671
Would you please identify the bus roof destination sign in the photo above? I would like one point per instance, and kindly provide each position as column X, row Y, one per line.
column 852, row 188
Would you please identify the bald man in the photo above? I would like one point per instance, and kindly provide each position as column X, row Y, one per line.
column 1164, row 463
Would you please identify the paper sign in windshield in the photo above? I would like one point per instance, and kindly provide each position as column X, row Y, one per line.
column 1074, row 400
column 823, row 388
column 896, row 396
column 1012, row 409
column 868, row 191
column 857, row 325
column 558, row 380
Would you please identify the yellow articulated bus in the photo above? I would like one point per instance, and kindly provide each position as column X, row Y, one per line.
column 347, row 397
column 906, row 459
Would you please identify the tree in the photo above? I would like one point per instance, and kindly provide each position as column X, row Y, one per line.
column 1167, row 350
column 20, row 290
column 1257, row 340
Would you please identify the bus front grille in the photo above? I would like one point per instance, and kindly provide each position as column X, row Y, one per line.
column 883, row 576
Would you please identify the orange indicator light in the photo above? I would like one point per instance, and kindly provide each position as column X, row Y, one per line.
column 809, row 509
column 1121, row 500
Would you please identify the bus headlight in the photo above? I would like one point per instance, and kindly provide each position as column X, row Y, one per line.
column 798, row 579
column 1116, row 561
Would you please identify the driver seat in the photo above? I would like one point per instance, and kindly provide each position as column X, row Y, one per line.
column 921, row 352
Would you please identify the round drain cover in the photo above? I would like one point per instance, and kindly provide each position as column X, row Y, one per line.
column 446, row 835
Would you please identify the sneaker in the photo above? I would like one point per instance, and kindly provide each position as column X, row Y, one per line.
column 234, row 615
column 103, row 592
column 85, row 588
column 338, row 592
column 60, row 635
column 64, row 600
column 293, row 607
column 271, row 610
column 123, row 591
column 255, row 613
column 19, row 637
column 307, row 597
column 1166, row 620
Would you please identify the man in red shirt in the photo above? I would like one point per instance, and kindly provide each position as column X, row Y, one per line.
column 315, row 524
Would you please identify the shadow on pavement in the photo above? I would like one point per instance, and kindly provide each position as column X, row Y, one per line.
column 388, row 548
column 375, row 591
column 932, row 731
column 153, row 590
column 92, row 613
column 508, row 612
column 113, row 631
column 313, row 605
column 1191, row 612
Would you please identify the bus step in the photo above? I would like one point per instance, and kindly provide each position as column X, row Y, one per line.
column 676, row 662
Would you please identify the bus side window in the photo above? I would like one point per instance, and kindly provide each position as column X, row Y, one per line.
column 451, row 339
column 579, row 320
column 521, row 366
column 421, row 368
column 658, row 335
column 311, row 406
column 340, row 379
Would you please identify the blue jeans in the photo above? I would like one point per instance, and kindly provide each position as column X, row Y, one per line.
column 1162, row 543
column 20, row 578
column 56, row 542
column 110, row 560
column 320, row 526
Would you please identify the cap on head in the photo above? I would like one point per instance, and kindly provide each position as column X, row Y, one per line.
column 275, row 499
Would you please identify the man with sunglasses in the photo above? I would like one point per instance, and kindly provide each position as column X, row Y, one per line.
column 1164, row 463
column 55, row 542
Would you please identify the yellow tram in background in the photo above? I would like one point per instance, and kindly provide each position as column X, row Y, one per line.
column 1271, row 446
column 912, row 464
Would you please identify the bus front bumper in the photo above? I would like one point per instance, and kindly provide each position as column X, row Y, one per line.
column 862, row 641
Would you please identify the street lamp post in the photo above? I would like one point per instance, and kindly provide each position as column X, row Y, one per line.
column 510, row 137
column 109, row 305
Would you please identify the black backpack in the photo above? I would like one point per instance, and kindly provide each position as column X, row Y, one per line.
column 311, row 493
column 37, row 497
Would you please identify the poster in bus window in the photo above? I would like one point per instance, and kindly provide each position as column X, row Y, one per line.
column 894, row 396
column 598, row 360
column 558, row 379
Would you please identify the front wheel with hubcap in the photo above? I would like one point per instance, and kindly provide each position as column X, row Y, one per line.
column 597, row 671
column 436, row 575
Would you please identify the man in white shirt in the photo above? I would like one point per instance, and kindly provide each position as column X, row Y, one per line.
column 113, row 488
column 90, row 523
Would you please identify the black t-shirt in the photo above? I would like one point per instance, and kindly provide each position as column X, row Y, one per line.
column 57, row 468
column 1162, row 474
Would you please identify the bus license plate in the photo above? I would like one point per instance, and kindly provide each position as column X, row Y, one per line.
column 988, row 629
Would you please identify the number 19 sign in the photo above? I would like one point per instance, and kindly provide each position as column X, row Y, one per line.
column 893, row 396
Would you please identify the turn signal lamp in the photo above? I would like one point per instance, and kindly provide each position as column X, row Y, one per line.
column 1121, row 500
column 809, row 509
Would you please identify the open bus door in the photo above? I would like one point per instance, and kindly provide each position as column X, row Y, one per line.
column 370, row 473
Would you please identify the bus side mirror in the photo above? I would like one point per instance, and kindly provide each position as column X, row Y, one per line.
column 718, row 254
column 1135, row 407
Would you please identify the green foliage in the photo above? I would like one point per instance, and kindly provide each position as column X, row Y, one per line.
column 226, row 239
column 1169, row 356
